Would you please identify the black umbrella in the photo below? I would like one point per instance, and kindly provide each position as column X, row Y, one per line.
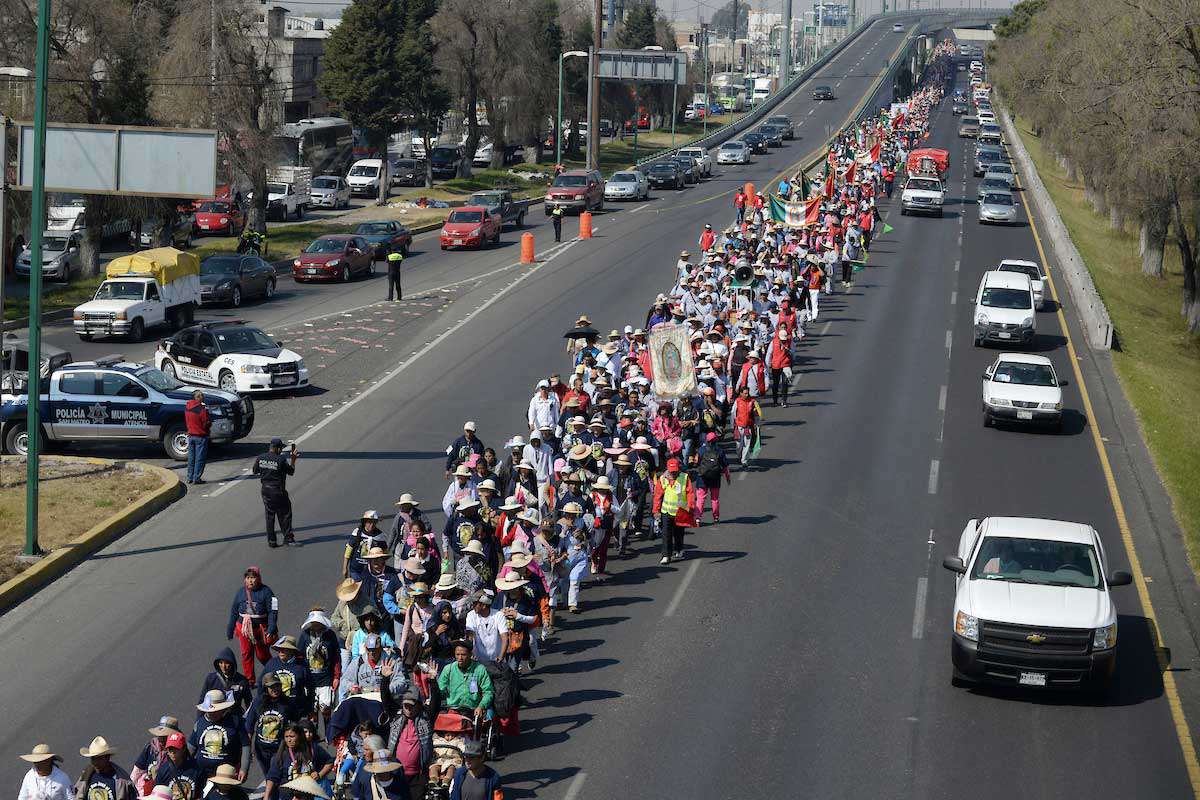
column 581, row 332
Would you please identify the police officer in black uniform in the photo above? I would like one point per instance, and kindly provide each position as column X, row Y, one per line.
column 556, row 216
column 394, row 261
column 273, row 467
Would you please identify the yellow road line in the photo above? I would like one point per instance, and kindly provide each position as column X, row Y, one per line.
column 1168, row 678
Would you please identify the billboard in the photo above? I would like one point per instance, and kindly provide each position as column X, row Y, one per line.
column 122, row 159
column 644, row 66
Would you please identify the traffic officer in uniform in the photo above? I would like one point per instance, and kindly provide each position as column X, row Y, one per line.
column 394, row 260
column 556, row 215
column 273, row 467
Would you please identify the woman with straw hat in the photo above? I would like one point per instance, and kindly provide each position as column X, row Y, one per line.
column 146, row 765
column 45, row 780
column 225, row 784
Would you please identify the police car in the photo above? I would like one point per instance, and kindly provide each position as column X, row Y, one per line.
column 110, row 400
column 231, row 355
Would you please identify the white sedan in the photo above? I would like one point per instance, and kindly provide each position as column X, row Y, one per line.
column 628, row 185
column 1022, row 388
column 231, row 356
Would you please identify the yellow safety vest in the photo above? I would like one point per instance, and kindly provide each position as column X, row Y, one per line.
column 674, row 493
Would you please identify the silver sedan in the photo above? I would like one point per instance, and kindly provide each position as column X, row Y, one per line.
column 997, row 206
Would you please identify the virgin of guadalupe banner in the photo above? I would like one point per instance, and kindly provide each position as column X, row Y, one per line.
column 671, row 361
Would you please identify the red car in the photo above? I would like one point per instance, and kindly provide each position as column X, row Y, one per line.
column 219, row 216
column 470, row 226
column 335, row 257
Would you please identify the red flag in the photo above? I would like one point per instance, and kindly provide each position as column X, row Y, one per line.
column 850, row 172
column 898, row 121
column 827, row 191
column 875, row 151
column 812, row 211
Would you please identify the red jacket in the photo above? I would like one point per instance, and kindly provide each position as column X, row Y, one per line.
column 707, row 239
column 739, row 200
column 196, row 417
column 779, row 356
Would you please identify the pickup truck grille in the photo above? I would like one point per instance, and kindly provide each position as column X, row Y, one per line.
column 1063, row 653
column 102, row 317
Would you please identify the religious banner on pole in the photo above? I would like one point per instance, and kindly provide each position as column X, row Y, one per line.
column 671, row 361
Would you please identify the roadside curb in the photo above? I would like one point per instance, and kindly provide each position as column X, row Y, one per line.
column 63, row 560
column 1093, row 314
column 50, row 316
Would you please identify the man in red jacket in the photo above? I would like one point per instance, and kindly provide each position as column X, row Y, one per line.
column 195, row 415
column 707, row 239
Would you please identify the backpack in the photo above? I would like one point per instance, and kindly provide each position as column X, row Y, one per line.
column 710, row 465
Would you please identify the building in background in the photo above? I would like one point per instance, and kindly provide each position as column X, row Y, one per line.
column 293, row 46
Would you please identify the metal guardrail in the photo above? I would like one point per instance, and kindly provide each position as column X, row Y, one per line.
column 751, row 118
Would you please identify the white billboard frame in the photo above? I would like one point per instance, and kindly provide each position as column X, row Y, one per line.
column 122, row 160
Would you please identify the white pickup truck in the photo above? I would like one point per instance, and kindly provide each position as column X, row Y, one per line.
column 289, row 191
column 922, row 194
column 153, row 287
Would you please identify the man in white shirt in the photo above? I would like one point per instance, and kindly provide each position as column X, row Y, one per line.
column 543, row 407
column 44, row 781
column 486, row 628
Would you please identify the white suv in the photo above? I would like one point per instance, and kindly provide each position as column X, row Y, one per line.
column 1032, row 607
column 1019, row 387
column 1037, row 278
column 1004, row 310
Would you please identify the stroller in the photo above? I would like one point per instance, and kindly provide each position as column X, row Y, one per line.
column 451, row 731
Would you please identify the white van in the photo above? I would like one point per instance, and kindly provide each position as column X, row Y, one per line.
column 1004, row 309
column 365, row 175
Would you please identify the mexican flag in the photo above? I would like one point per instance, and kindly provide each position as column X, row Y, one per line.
column 875, row 152
column 795, row 215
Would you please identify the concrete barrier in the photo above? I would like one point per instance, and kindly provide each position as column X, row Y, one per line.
column 1093, row 314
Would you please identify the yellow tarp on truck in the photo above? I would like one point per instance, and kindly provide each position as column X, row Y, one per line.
column 166, row 264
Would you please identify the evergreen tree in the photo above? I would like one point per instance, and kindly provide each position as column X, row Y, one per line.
column 638, row 30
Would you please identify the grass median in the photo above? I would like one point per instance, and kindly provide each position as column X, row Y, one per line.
column 1159, row 361
column 73, row 497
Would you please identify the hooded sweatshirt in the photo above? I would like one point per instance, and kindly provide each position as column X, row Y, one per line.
column 235, row 685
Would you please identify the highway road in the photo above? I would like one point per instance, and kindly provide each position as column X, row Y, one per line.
column 802, row 648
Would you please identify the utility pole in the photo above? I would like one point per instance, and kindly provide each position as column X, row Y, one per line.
column 707, row 97
column 593, row 144
column 212, row 59
column 785, row 47
column 33, row 424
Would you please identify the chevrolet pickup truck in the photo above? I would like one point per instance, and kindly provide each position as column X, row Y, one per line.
column 500, row 203
column 110, row 401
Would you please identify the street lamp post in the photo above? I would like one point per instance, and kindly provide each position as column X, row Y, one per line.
column 558, row 122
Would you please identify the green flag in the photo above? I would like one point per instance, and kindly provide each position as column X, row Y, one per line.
column 805, row 186
column 778, row 208
column 887, row 228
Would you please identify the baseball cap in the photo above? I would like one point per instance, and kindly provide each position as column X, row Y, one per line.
column 276, row 442
column 176, row 742
column 469, row 426
column 674, row 464
column 252, row 570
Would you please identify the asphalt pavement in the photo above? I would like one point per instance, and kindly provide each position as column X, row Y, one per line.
column 801, row 648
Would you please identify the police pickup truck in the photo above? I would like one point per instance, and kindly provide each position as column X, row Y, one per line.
column 110, row 400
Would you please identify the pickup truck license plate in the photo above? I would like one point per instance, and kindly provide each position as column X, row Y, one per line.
column 458, row 241
column 1033, row 679
column 1024, row 415
column 1004, row 335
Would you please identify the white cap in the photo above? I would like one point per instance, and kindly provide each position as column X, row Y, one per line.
column 469, row 426
column 628, row 329
column 370, row 514
column 543, row 384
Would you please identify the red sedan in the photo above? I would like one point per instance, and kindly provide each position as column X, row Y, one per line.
column 470, row 226
column 219, row 216
column 335, row 257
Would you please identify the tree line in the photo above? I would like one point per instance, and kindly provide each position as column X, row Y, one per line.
column 1113, row 87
